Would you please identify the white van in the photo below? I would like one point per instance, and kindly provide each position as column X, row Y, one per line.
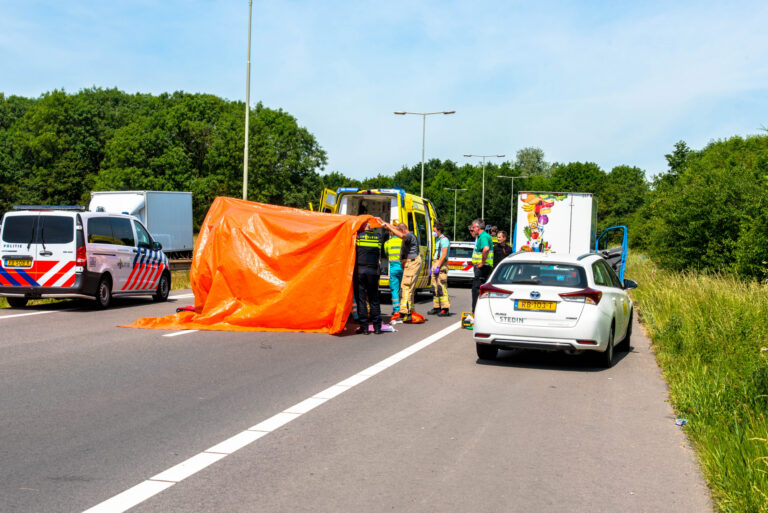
column 63, row 252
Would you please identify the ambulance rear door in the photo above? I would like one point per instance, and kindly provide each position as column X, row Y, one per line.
column 327, row 201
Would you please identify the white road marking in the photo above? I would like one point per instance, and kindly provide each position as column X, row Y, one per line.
column 181, row 296
column 164, row 480
column 182, row 332
column 30, row 313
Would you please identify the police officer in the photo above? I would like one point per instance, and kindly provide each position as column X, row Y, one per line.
column 366, row 280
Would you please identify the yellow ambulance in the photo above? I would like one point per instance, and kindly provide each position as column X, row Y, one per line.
column 389, row 204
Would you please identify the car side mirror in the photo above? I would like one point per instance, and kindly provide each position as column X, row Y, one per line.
column 629, row 284
column 156, row 246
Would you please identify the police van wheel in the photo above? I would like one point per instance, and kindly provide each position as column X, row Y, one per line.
column 104, row 292
column 17, row 302
column 163, row 288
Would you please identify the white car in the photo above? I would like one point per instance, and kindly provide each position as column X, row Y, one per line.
column 460, row 268
column 554, row 302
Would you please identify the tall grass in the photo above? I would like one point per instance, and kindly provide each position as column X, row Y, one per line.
column 710, row 336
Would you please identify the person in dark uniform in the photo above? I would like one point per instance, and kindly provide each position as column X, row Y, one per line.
column 365, row 280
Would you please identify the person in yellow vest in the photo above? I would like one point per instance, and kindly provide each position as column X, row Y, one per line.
column 365, row 280
column 439, row 274
column 482, row 258
column 411, row 262
column 494, row 233
column 392, row 249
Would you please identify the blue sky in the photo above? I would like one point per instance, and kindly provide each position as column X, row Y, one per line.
column 609, row 82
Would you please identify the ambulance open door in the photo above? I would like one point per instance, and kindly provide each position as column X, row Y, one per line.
column 327, row 201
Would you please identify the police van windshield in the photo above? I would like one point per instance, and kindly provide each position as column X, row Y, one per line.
column 459, row 252
column 34, row 229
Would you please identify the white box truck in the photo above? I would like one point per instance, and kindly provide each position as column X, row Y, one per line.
column 555, row 222
column 167, row 215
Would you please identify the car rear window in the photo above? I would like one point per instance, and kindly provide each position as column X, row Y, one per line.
column 532, row 273
column 460, row 252
column 38, row 229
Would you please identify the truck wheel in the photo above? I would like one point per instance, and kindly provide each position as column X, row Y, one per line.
column 486, row 352
column 163, row 288
column 17, row 302
column 104, row 293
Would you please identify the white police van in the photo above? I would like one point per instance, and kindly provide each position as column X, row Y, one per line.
column 66, row 252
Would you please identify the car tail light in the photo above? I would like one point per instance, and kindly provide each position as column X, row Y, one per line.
column 80, row 257
column 490, row 291
column 588, row 296
column 588, row 342
column 482, row 335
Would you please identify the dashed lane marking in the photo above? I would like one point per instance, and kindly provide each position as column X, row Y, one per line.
column 164, row 480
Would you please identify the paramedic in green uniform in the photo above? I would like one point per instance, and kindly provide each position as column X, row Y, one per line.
column 392, row 249
column 482, row 258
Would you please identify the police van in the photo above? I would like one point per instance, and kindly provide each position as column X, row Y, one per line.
column 66, row 252
column 389, row 204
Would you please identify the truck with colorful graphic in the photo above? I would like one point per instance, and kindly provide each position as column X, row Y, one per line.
column 565, row 222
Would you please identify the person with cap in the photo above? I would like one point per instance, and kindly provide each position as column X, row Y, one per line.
column 392, row 249
column 439, row 273
column 365, row 280
column 411, row 262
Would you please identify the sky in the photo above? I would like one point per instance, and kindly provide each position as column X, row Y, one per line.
column 610, row 82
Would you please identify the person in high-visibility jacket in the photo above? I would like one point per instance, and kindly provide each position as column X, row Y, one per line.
column 482, row 258
column 439, row 273
column 365, row 280
column 411, row 262
column 392, row 249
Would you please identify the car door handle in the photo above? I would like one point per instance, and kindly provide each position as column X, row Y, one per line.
column 46, row 253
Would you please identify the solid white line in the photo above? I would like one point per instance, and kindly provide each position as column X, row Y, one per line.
column 182, row 332
column 164, row 480
column 181, row 296
column 30, row 313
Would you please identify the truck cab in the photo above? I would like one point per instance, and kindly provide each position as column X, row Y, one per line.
column 389, row 204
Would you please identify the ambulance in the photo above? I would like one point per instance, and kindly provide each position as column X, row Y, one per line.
column 389, row 204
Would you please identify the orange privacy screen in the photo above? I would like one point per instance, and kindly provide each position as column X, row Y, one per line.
column 262, row 267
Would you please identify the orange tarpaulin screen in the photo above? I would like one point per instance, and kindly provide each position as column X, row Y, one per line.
column 260, row 267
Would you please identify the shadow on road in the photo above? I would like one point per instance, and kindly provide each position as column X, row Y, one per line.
column 550, row 360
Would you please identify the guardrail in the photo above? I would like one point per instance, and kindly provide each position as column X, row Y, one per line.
column 180, row 264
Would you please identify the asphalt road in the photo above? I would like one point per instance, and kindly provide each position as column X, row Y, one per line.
column 92, row 415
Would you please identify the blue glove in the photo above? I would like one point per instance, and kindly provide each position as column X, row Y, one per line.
column 436, row 270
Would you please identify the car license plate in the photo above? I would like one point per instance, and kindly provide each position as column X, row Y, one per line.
column 18, row 262
column 545, row 306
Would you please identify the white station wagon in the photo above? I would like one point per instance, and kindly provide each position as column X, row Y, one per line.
column 554, row 302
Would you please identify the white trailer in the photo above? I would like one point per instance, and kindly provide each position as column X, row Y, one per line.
column 555, row 222
column 167, row 215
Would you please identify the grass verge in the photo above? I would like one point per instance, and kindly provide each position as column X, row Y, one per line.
column 710, row 336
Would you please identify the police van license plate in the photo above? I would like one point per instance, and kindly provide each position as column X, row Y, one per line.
column 544, row 306
column 17, row 262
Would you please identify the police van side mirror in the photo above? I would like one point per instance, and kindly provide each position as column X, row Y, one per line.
column 156, row 246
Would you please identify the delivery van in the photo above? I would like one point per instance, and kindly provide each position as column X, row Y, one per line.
column 390, row 205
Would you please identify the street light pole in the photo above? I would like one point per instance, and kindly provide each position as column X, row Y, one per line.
column 482, row 208
column 511, row 200
column 455, row 192
column 423, row 135
column 247, row 105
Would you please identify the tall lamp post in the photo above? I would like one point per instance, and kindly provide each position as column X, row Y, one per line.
column 455, row 192
column 247, row 105
column 482, row 208
column 511, row 200
column 423, row 134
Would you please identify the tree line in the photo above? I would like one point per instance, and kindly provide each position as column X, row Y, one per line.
column 708, row 210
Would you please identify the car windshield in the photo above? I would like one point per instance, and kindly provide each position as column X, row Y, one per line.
column 533, row 273
column 455, row 252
